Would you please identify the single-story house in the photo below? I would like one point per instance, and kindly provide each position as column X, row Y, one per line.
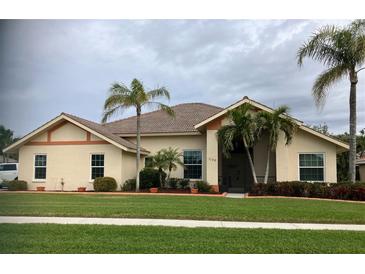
column 73, row 150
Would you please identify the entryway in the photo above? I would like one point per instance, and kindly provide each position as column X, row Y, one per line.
column 236, row 174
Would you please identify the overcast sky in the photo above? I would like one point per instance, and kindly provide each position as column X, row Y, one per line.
column 53, row 66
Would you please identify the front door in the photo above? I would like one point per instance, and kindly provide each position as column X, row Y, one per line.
column 237, row 176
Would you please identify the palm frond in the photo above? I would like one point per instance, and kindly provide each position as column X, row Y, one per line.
column 159, row 92
column 160, row 106
column 320, row 47
column 226, row 136
column 324, row 81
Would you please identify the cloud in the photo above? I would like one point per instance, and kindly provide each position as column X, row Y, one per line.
column 50, row 66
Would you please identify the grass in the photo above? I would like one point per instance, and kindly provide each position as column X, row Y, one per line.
column 182, row 207
column 52, row 238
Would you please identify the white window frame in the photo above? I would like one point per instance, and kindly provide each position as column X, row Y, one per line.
column 91, row 166
column 34, row 166
column 324, row 165
column 202, row 164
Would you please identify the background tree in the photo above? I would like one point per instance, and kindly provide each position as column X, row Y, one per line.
column 121, row 97
column 6, row 139
column 243, row 128
column 342, row 50
column 272, row 124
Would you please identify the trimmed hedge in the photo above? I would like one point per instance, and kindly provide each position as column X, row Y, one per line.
column 105, row 184
column 17, row 185
column 342, row 190
column 129, row 185
column 203, row 187
column 149, row 177
column 178, row 183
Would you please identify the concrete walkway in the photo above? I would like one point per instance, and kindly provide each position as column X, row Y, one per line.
column 175, row 223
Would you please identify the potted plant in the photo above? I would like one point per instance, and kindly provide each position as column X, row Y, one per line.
column 154, row 189
column 194, row 190
column 41, row 188
column 81, row 189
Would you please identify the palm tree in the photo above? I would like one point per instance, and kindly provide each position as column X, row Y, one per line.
column 121, row 98
column 342, row 50
column 160, row 162
column 243, row 127
column 273, row 123
column 173, row 159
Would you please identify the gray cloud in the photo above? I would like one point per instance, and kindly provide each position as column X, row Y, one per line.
column 47, row 67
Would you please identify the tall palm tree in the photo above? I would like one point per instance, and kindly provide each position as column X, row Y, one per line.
column 273, row 123
column 121, row 97
column 173, row 159
column 242, row 127
column 342, row 50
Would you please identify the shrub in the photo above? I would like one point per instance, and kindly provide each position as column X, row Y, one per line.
column 173, row 182
column 183, row 183
column 203, row 187
column 105, row 184
column 129, row 185
column 149, row 177
column 16, row 185
column 4, row 184
column 178, row 183
column 342, row 190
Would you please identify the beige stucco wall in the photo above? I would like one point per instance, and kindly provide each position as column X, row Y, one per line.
column 287, row 157
column 69, row 132
column 41, row 137
column 212, row 166
column 184, row 142
column 70, row 162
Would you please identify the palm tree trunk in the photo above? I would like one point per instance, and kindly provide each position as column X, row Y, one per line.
column 352, row 140
column 138, row 146
column 267, row 165
column 250, row 161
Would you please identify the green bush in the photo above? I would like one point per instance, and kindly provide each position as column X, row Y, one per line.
column 183, row 183
column 4, row 184
column 203, row 187
column 129, row 185
column 16, row 185
column 341, row 190
column 173, row 182
column 178, row 183
column 149, row 177
column 105, row 184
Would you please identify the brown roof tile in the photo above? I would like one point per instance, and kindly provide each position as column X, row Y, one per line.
column 104, row 131
column 186, row 116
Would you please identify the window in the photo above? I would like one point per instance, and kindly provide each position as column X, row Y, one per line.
column 97, row 166
column 311, row 167
column 40, row 166
column 148, row 161
column 193, row 164
column 8, row 167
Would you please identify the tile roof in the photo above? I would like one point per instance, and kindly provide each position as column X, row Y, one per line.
column 186, row 116
column 104, row 131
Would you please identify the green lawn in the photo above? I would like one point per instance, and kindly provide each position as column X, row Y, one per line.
column 181, row 207
column 51, row 238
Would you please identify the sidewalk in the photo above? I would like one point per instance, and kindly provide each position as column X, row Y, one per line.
column 176, row 223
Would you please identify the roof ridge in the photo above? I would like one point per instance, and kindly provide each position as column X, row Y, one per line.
column 157, row 110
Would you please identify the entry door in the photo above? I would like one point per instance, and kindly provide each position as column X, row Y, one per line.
column 237, row 176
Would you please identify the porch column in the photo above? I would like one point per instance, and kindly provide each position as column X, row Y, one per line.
column 212, row 159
